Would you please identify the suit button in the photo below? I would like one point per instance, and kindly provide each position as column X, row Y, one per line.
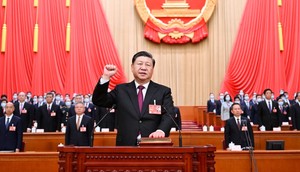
column 140, row 121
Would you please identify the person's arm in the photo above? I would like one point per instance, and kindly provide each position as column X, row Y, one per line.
column 292, row 114
column 90, row 130
column 100, row 95
column 59, row 119
column 227, row 133
column 19, row 135
column 68, row 132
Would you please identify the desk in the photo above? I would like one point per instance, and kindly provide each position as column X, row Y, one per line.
column 48, row 142
column 29, row 161
column 275, row 161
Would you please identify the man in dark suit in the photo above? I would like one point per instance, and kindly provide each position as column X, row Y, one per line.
column 295, row 113
column 268, row 112
column 89, row 107
column 25, row 111
column 140, row 104
column 49, row 115
column 211, row 103
column 11, row 133
column 78, row 99
column 79, row 128
column 238, row 128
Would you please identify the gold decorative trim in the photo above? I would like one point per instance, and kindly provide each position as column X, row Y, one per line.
column 145, row 14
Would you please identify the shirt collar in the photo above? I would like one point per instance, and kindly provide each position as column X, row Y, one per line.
column 10, row 117
column 145, row 85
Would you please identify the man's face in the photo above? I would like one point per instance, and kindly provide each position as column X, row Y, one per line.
column 78, row 99
column 268, row 94
column 21, row 97
column 79, row 109
column 9, row 108
column 142, row 69
column 236, row 110
column 49, row 98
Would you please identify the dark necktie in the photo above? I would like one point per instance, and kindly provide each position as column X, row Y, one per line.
column 238, row 123
column 270, row 107
column 7, row 123
column 49, row 109
column 140, row 97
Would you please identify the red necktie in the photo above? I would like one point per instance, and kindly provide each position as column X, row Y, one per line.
column 140, row 97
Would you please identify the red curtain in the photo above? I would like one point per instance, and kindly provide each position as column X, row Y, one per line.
column 52, row 67
column 256, row 62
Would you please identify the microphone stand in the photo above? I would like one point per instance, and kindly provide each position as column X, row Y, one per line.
column 179, row 129
column 250, row 146
column 94, row 127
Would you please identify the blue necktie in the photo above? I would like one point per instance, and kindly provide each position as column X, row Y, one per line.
column 7, row 123
column 270, row 108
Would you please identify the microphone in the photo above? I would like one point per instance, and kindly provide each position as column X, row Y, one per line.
column 250, row 147
column 104, row 116
column 248, row 139
column 179, row 129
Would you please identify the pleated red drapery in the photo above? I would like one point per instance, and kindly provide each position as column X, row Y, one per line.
column 52, row 67
column 256, row 61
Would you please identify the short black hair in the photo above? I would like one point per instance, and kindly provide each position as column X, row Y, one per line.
column 267, row 89
column 296, row 96
column 231, row 107
column 50, row 93
column 145, row 54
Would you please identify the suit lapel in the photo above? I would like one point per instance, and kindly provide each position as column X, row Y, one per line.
column 133, row 96
column 150, row 92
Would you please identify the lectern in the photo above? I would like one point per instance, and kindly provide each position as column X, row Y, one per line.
column 136, row 159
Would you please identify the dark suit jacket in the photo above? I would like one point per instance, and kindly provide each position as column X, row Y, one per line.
column 11, row 140
column 219, row 105
column 130, row 121
column 90, row 110
column 108, row 121
column 46, row 121
column 295, row 115
column 267, row 118
column 236, row 135
column 211, row 106
column 254, row 113
column 76, row 137
column 27, row 117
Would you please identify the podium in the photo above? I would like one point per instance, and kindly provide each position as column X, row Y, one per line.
column 136, row 159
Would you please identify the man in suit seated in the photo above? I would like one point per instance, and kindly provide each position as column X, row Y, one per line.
column 11, row 131
column 238, row 128
column 79, row 128
column 142, row 105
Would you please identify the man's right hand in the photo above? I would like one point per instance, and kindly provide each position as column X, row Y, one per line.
column 109, row 71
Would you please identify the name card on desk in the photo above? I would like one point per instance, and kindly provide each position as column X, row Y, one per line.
column 39, row 130
column 236, row 148
column 276, row 128
column 285, row 123
column 104, row 129
column 173, row 129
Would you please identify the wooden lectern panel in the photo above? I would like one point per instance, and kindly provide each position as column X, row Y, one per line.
column 136, row 159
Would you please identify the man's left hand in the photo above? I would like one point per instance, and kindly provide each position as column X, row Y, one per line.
column 157, row 134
